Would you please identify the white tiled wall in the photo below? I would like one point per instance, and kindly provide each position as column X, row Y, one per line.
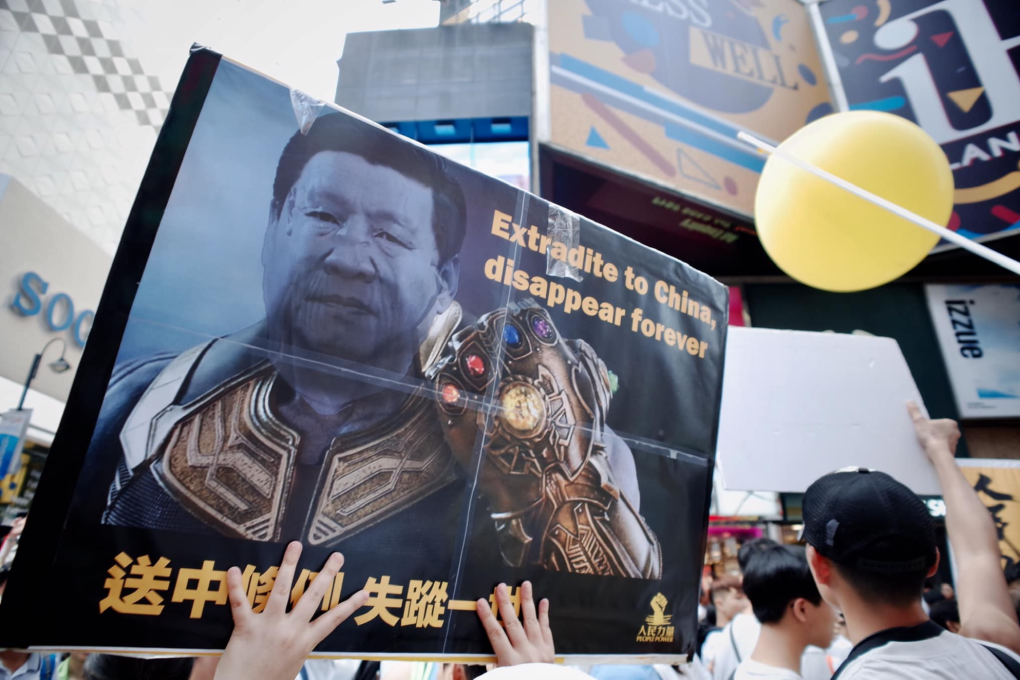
column 78, row 112
column 85, row 84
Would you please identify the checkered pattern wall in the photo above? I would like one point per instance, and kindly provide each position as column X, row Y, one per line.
column 78, row 113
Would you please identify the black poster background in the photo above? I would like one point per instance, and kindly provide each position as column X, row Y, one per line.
column 164, row 297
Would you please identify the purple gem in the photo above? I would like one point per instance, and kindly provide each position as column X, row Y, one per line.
column 541, row 327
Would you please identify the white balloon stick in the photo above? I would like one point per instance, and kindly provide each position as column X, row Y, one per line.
column 951, row 236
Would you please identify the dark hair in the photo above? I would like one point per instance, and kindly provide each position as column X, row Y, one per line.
column 367, row 670
column 748, row 549
column 342, row 133
column 722, row 583
column 110, row 667
column 776, row 576
column 899, row 589
column 1012, row 572
column 945, row 611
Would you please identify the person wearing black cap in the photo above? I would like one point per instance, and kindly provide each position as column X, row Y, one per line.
column 871, row 545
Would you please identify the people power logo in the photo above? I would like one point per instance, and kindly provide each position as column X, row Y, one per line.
column 657, row 627
column 715, row 53
column 951, row 66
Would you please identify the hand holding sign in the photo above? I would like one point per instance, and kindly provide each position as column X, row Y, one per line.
column 274, row 644
column 531, row 642
column 938, row 437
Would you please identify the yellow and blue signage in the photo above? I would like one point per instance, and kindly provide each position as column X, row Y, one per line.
column 952, row 67
column 660, row 88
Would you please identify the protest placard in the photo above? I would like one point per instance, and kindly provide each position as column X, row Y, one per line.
column 799, row 405
column 317, row 330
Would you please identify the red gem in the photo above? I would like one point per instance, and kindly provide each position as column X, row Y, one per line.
column 475, row 364
column 450, row 394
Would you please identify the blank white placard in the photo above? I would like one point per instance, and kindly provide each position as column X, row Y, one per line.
column 798, row 405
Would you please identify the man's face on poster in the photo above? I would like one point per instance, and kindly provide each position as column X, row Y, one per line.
column 351, row 262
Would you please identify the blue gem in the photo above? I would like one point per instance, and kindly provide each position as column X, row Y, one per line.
column 511, row 335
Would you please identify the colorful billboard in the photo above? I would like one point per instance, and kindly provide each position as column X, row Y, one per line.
column 660, row 88
column 952, row 67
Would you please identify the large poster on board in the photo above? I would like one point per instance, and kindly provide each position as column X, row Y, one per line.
column 978, row 327
column 661, row 89
column 951, row 66
column 318, row 330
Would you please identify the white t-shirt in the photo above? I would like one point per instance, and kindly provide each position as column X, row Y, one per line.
column 753, row 670
column 746, row 630
column 329, row 669
column 536, row 671
column 945, row 657
column 837, row 652
column 695, row 670
column 30, row 670
column 710, row 648
column 813, row 664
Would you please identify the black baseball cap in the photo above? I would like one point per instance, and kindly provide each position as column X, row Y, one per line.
column 867, row 520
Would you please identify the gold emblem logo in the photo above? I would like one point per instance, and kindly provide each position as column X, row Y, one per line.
column 658, row 628
column 659, row 617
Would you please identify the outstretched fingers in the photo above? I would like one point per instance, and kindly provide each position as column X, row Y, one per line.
column 240, row 608
column 497, row 637
column 327, row 623
column 543, row 622
column 278, row 599
column 532, row 628
column 512, row 625
column 309, row 602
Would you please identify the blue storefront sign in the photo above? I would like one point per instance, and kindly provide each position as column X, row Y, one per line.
column 58, row 310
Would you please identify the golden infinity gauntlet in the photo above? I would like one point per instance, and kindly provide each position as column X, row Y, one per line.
column 545, row 470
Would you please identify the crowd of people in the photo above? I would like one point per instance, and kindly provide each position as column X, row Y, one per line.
column 856, row 602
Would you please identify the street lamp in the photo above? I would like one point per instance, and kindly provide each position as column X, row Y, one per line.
column 58, row 366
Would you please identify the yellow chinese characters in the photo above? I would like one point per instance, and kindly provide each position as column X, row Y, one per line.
column 203, row 591
column 329, row 600
column 380, row 601
column 147, row 579
column 134, row 585
column 258, row 585
column 426, row 602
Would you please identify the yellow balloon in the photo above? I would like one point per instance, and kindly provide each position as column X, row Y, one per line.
column 828, row 238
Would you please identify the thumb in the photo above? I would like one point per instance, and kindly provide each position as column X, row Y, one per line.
column 915, row 411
